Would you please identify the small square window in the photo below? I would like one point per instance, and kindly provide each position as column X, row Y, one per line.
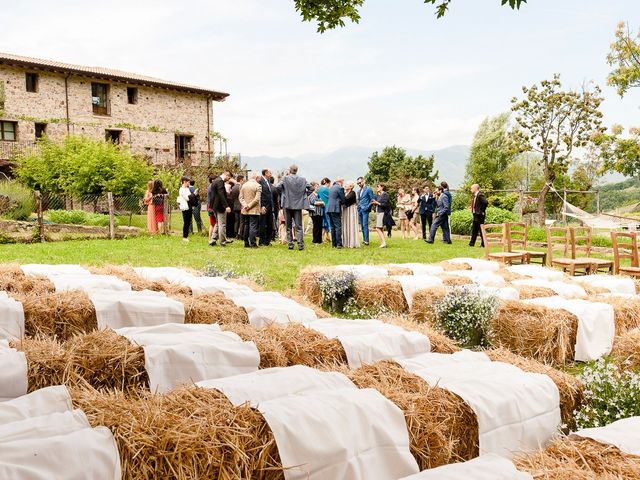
column 40, row 130
column 132, row 95
column 8, row 131
column 113, row 136
column 32, row 82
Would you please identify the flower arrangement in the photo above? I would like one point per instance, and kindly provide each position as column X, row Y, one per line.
column 464, row 315
column 610, row 394
column 336, row 289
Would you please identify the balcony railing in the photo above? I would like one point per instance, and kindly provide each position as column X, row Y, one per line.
column 10, row 149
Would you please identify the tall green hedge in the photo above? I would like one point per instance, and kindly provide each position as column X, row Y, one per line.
column 462, row 220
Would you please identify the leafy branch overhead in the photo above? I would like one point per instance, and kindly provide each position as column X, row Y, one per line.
column 624, row 56
column 332, row 13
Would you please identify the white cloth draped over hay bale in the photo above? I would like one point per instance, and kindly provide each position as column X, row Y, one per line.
column 485, row 278
column 562, row 289
column 516, row 410
column 623, row 434
column 42, row 437
column 420, row 268
column 503, row 293
column 413, row 283
column 477, row 264
column 88, row 283
column 199, row 285
column 339, row 431
column 362, row 272
column 135, row 309
column 369, row 341
column 596, row 325
column 537, row 271
column 265, row 308
column 613, row 283
column 11, row 318
column 177, row 353
column 13, row 372
column 485, row 467
column 47, row 270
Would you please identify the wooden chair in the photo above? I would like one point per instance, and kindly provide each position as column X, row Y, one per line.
column 517, row 237
column 495, row 235
column 558, row 239
column 581, row 241
column 627, row 248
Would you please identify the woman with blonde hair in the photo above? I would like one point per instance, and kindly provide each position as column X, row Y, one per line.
column 152, row 225
column 412, row 213
column 350, row 237
column 404, row 203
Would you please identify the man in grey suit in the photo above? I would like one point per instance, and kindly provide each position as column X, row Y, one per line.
column 334, row 209
column 294, row 191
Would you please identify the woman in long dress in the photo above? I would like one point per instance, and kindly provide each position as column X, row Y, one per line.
column 412, row 213
column 403, row 202
column 350, row 237
column 152, row 225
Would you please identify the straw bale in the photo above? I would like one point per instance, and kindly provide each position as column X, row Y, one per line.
column 291, row 344
column 422, row 308
column 442, row 427
column 13, row 280
column 211, row 308
column 510, row 276
column 571, row 388
column 395, row 270
column 60, row 314
column 526, row 292
column 533, row 331
column 455, row 280
column 440, row 343
column 448, row 266
column 592, row 290
column 128, row 274
column 626, row 312
column 580, row 459
column 187, row 433
column 47, row 362
column 307, row 283
column 305, row 302
column 626, row 349
column 380, row 292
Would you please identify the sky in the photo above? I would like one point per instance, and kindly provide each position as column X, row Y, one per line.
column 401, row 76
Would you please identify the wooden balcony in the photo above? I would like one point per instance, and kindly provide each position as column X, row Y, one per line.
column 9, row 149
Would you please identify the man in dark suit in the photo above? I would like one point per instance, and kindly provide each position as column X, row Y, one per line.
column 237, row 206
column 443, row 208
column 334, row 209
column 426, row 207
column 266, row 211
column 294, row 192
column 220, row 207
column 478, row 209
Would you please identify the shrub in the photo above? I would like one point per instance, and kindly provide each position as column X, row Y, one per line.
column 610, row 394
column 461, row 201
column 462, row 220
column 505, row 201
column 16, row 201
column 464, row 315
column 78, row 217
column 336, row 289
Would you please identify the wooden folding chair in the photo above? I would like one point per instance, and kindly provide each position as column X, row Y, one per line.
column 495, row 235
column 517, row 242
column 558, row 239
column 625, row 245
column 581, row 241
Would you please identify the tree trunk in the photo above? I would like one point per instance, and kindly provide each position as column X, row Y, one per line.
column 541, row 211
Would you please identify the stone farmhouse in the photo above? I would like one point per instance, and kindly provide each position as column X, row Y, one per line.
column 167, row 122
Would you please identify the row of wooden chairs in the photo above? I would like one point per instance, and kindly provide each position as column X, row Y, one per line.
column 568, row 248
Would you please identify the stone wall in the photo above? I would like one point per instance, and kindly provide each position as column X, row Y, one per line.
column 16, row 231
column 149, row 126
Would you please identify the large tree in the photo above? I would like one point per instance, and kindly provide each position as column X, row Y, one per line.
column 624, row 56
column 491, row 154
column 393, row 164
column 552, row 122
column 616, row 152
column 332, row 13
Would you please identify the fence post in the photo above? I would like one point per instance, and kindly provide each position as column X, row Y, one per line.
column 597, row 202
column 112, row 216
column 167, row 215
column 40, row 216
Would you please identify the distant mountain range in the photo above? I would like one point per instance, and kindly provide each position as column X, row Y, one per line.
column 351, row 162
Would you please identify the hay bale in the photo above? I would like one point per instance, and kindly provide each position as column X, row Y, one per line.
column 526, row 292
column 47, row 362
column 13, row 280
column 626, row 312
column 128, row 274
column 422, row 308
column 380, row 293
column 307, row 283
column 592, row 290
column 186, row 433
column 533, row 331
column 442, row 427
column 395, row 270
column 509, row 276
column 626, row 349
column 580, row 459
column 440, row 343
column 305, row 302
column 448, row 266
column 455, row 280
column 211, row 308
column 291, row 344
column 60, row 314
column 571, row 388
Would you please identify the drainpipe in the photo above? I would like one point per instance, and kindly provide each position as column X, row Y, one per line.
column 209, row 106
column 66, row 95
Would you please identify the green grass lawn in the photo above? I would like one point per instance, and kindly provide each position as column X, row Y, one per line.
column 276, row 264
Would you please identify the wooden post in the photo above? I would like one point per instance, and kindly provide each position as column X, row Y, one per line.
column 40, row 216
column 112, row 216
column 597, row 202
column 521, row 202
column 167, row 215
column 564, row 197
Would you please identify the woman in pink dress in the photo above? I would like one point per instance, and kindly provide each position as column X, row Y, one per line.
column 152, row 225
